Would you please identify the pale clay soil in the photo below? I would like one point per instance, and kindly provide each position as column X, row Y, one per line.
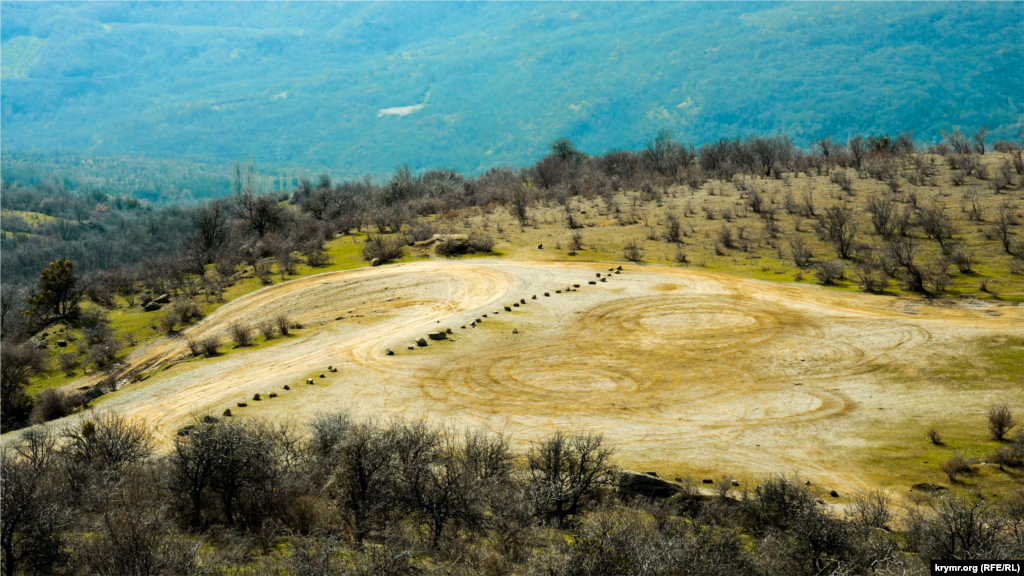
column 681, row 370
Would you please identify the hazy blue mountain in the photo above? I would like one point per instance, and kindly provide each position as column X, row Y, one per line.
column 359, row 88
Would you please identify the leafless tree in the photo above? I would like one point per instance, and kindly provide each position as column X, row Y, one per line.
column 957, row 140
column 209, row 235
column 110, row 442
column 902, row 252
column 364, row 479
column 12, row 304
column 979, row 139
column 1006, row 218
column 839, row 227
column 859, row 150
column 18, row 363
column 33, row 515
column 567, row 469
column 259, row 212
column 936, row 224
column 883, row 215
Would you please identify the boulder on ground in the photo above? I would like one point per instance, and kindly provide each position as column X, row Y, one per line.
column 242, row 404
column 421, row 341
column 391, row 352
column 209, row 419
column 256, row 397
column 834, row 494
column 437, row 336
column 162, row 299
column 508, row 308
column 227, row 413
column 375, row 262
column 640, row 484
column 152, row 306
column 62, row 343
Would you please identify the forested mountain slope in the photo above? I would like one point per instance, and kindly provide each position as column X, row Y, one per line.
column 359, row 88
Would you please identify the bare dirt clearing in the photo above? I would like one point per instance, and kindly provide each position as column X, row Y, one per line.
column 681, row 370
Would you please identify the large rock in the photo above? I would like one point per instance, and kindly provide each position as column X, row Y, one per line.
column 375, row 262
column 437, row 336
column 421, row 341
column 640, row 484
column 162, row 299
column 151, row 307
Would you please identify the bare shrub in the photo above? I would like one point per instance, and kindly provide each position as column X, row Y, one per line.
column 55, row 403
column 955, row 466
column 837, row 223
column 383, row 249
column 316, row 257
column 1000, row 421
column 261, row 269
column 963, row 259
column 870, row 275
column 209, row 345
column 828, row 271
column 725, row 237
column 680, row 256
column 633, row 250
column 188, row 311
column 934, row 436
column 283, row 324
column 169, row 323
column 421, row 231
column 267, row 328
column 842, row 179
column 723, row 485
column 801, row 251
column 575, row 243
column 68, row 363
column 193, row 346
column 104, row 352
column 241, row 334
column 672, row 233
column 872, row 509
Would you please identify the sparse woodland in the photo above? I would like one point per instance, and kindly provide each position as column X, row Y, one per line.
column 88, row 276
column 337, row 495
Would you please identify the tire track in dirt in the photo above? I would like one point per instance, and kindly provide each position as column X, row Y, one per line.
column 668, row 363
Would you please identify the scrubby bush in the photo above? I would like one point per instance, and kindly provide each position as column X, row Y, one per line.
column 267, row 327
column 54, row 403
column 382, row 248
column 1000, row 421
column 284, row 324
column 633, row 250
column 829, row 271
column 240, row 333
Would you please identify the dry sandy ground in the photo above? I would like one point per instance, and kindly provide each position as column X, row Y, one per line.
column 680, row 370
